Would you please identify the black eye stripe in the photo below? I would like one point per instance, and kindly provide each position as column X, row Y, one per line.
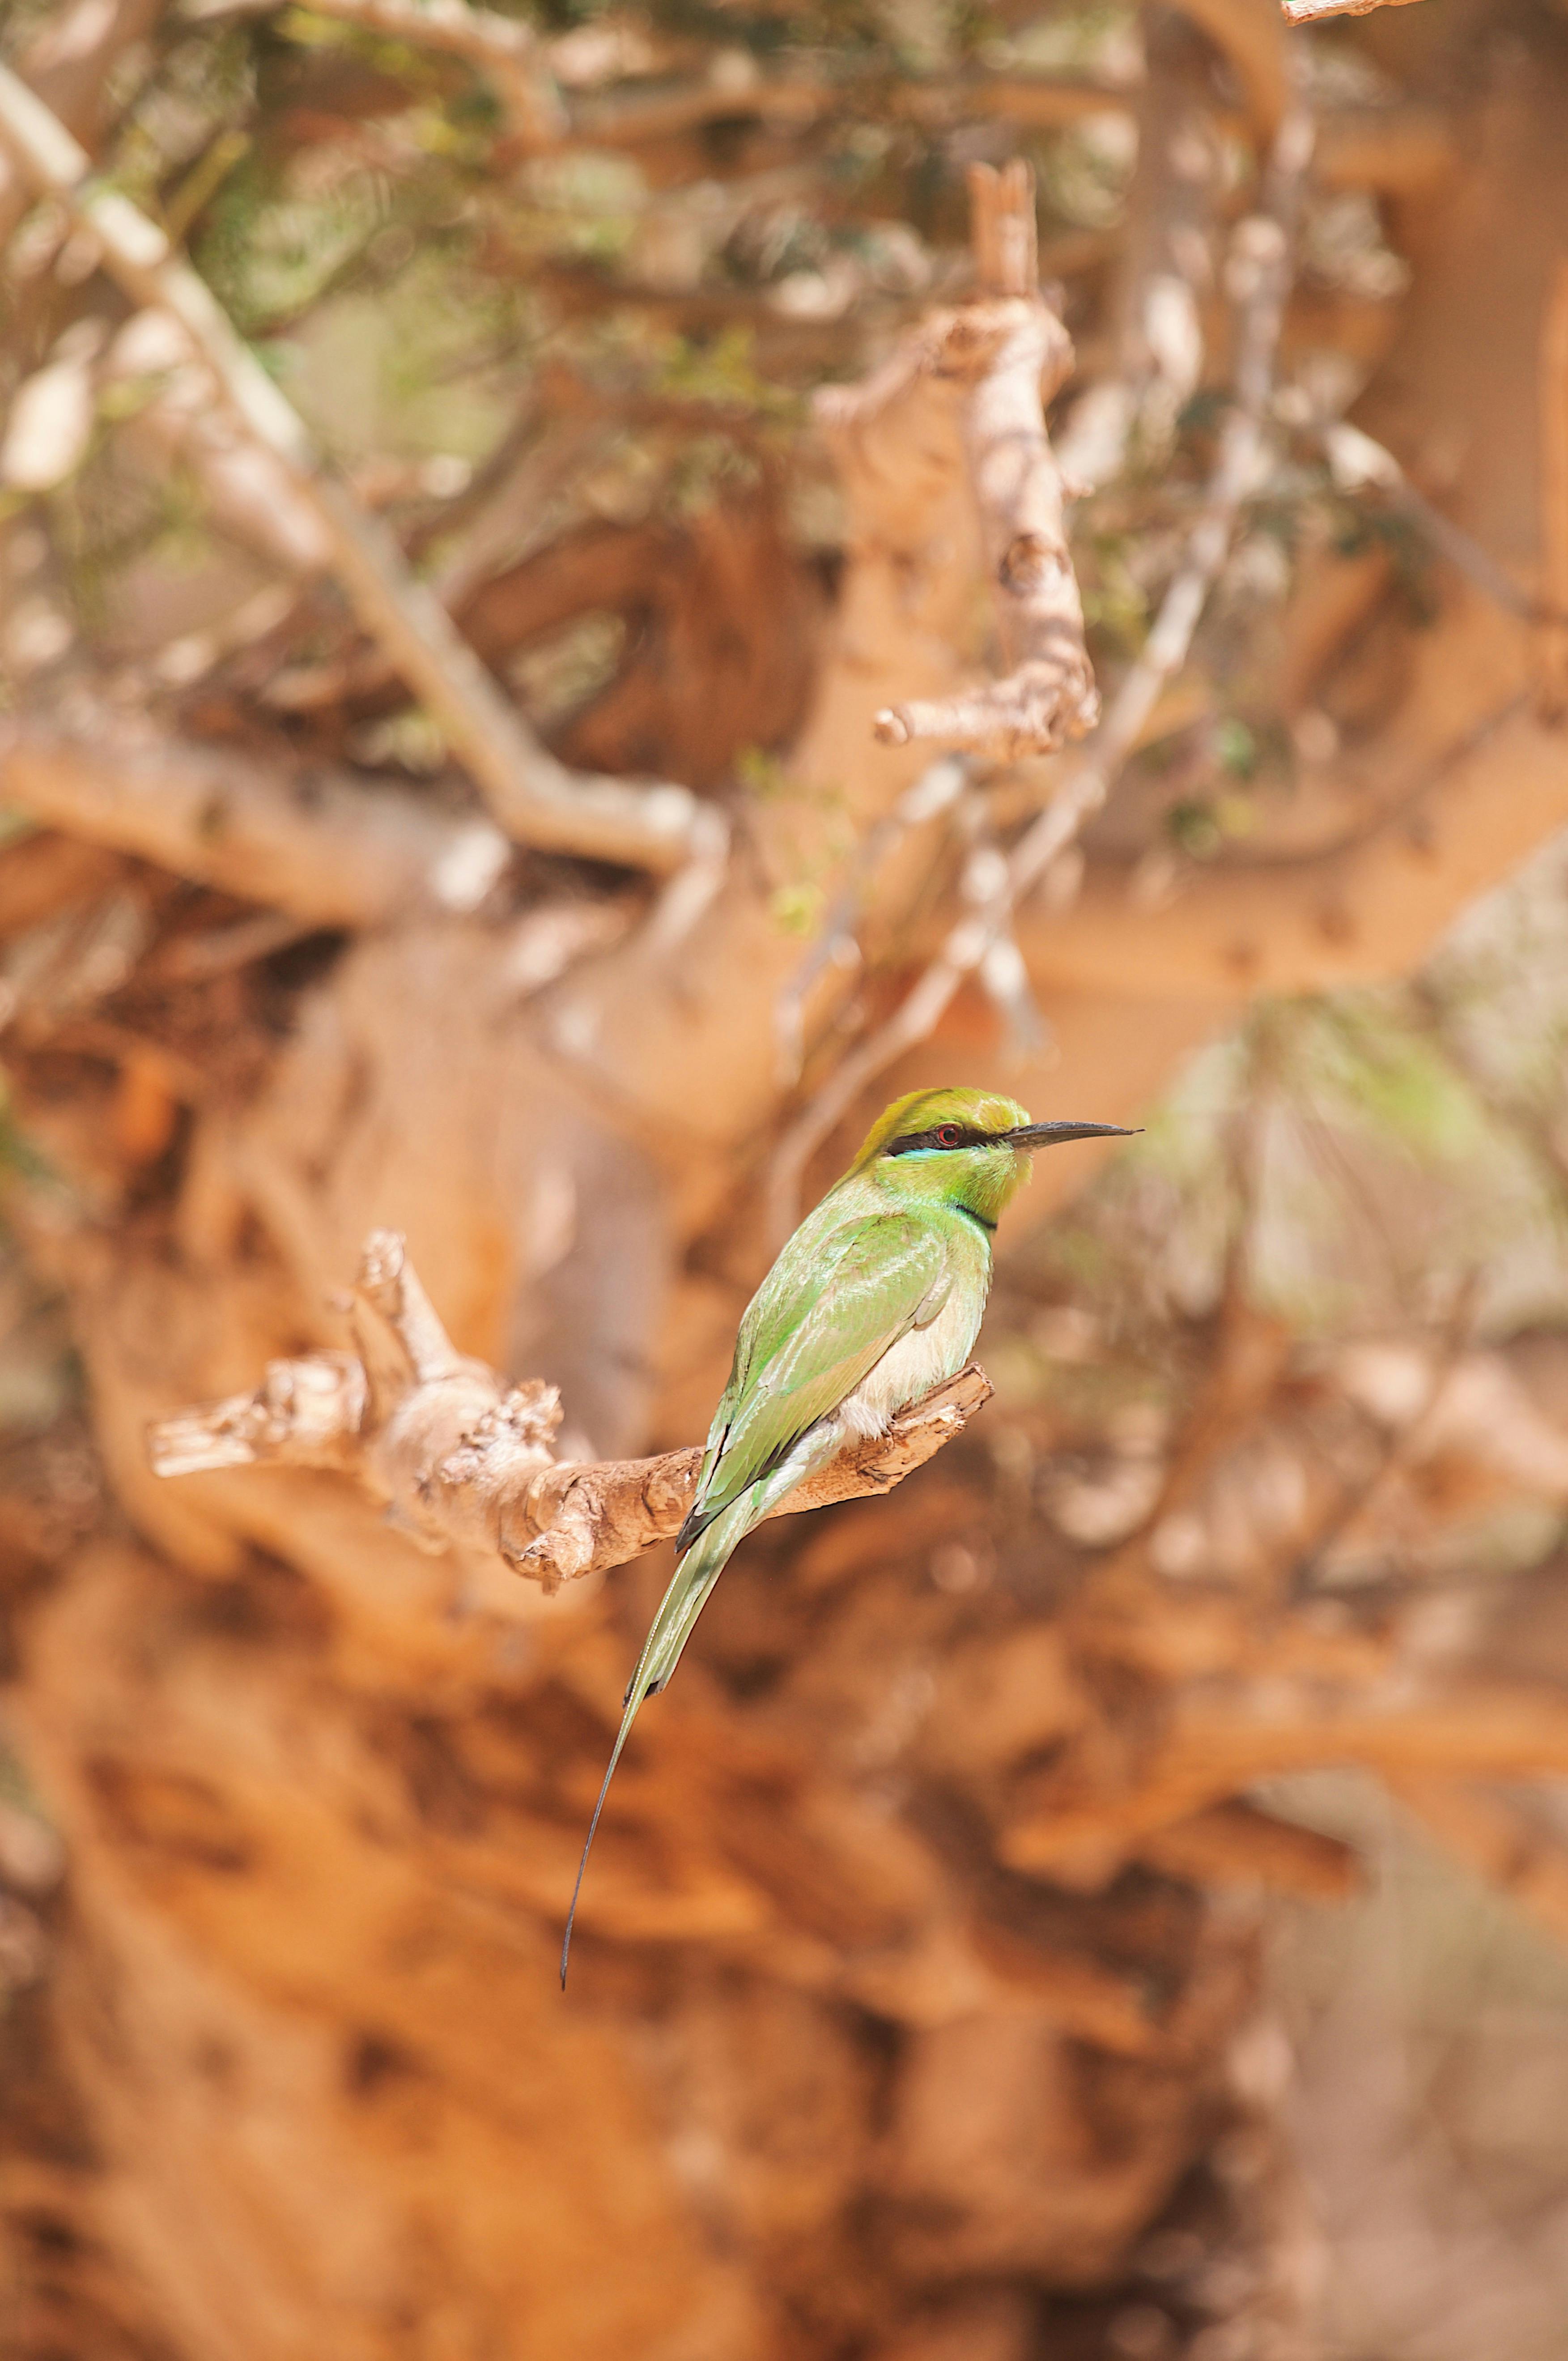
column 967, row 1137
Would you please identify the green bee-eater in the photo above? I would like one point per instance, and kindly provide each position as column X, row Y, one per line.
column 875, row 1299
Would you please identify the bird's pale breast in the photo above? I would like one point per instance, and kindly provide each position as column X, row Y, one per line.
column 918, row 1361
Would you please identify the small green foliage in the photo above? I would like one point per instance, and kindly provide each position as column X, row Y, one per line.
column 1356, row 1048
column 1084, row 170
column 21, row 1159
column 270, row 251
column 797, row 909
column 1194, row 826
column 721, row 368
column 761, row 774
column 557, row 674
column 410, row 741
column 1115, row 604
column 1236, row 746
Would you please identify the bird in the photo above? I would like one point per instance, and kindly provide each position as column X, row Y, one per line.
column 876, row 1297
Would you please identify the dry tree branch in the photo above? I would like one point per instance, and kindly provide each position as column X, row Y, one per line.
column 510, row 52
column 1399, row 146
column 1012, row 352
column 536, row 800
column 1038, row 101
column 1002, row 974
column 1165, row 265
column 1357, row 463
column 1041, row 101
column 837, row 944
column 70, row 63
column 1492, row 1836
column 464, row 1462
column 1233, row 1843
column 1221, row 1742
column 314, row 843
column 1401, row 1446
column 1259, row 276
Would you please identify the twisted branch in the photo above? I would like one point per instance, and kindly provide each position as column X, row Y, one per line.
column 466, row 1463
column 1011, row 352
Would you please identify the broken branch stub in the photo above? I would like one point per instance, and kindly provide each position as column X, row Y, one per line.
column 464, row 1462
column 1010, row 352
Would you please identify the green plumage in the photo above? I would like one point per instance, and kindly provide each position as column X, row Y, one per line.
column 876, row 1297
column 847, row 1286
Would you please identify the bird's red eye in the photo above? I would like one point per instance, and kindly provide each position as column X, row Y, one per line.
column 947, row 1134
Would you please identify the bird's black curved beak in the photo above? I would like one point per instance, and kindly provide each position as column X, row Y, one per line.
column 1052, row 1135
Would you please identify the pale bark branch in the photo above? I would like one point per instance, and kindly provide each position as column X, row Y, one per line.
column 311, row 842
column 71, row 65
column 466, row 1463
column 1012, row 352
column 536, row 800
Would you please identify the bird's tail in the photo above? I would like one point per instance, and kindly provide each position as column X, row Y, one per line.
column 671, row 1628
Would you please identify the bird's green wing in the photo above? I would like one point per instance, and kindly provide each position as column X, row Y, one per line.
column 844, row 1288
column 823, row 1318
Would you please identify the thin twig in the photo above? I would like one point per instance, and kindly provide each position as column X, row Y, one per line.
column 1356, row 462
column 1002, row 974
column 1402, row 1444
column 536, row 800
column 837, row 945
column 1259, row 279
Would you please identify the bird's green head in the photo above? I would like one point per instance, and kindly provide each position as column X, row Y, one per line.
column 966, row 1149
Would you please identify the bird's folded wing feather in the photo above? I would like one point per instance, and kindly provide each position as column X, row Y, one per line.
column 818, row 1326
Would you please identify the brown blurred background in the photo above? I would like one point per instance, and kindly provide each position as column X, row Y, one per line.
column 1108, row 1897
